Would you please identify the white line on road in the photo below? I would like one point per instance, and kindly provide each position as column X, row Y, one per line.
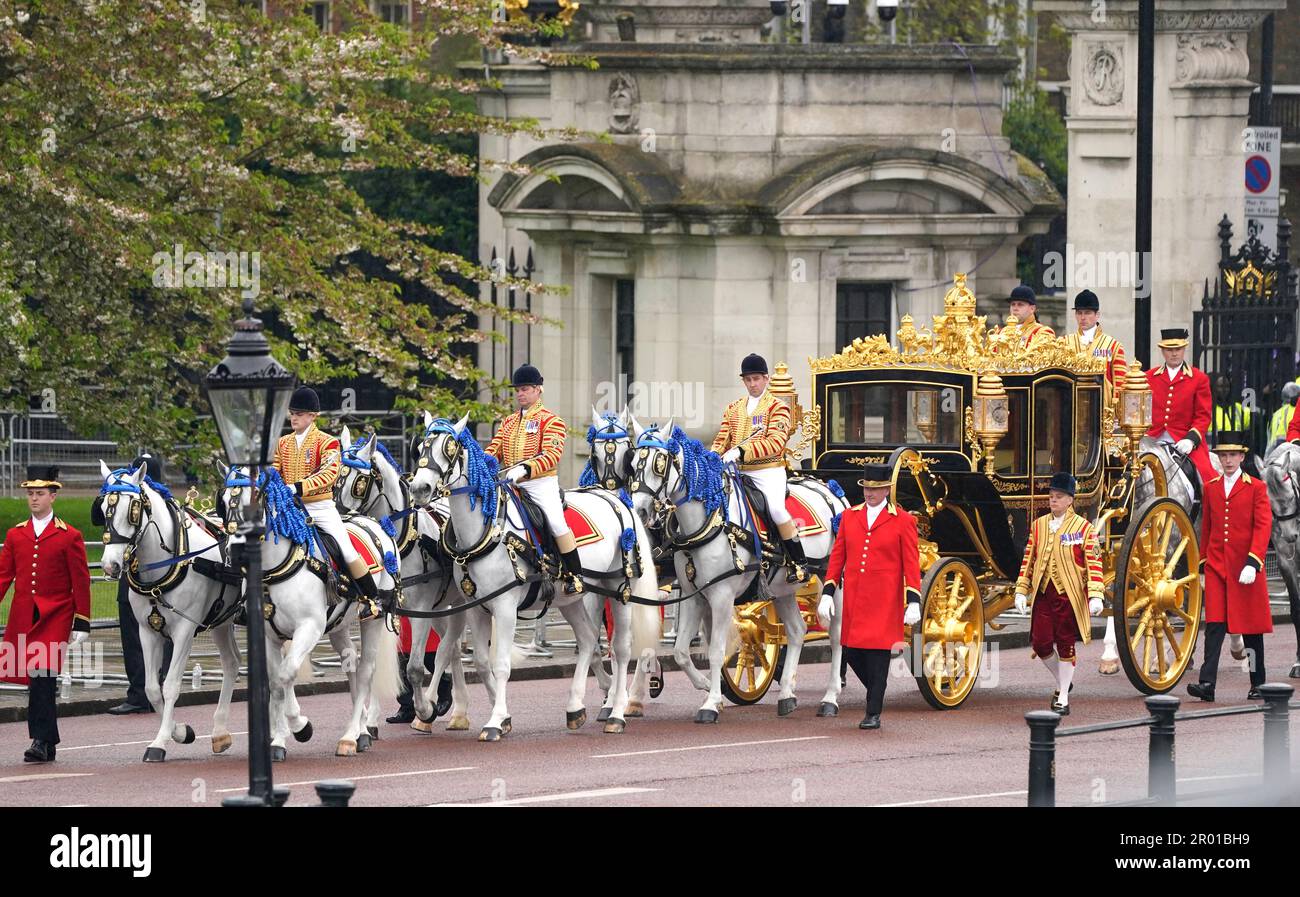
column 708, row 747
column 382, row 775
column 1238, row 775
column 944, row 800
column 44, row 776
column 86, row 747
column 549, row 798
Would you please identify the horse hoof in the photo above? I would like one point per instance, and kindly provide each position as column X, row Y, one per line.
column 1295, row 671
column 303, row 735
column 785, row 706
column 615, row 726
column 604, row 714
column 1238, row 655
column 706, row 716
column 506, row 725
column 187, row 736
column 458, row 724
column 363, row 742
column 490, row 733
column 828, row 709
column 278, row 753
column 422, row 726
column 374, row 732
column 575, row 719
column 221, row 743
column 1108, row 667
column 346, row 748
column 634, row 709
column 154, row 755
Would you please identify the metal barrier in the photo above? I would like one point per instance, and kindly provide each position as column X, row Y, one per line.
column 1162, row 786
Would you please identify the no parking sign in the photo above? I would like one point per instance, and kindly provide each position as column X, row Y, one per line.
column 1262, row 147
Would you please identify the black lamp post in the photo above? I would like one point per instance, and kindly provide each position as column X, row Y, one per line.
column 249, row 391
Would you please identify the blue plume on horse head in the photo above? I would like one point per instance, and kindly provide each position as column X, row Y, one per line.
column 284, row 517
column 587, row 477
column 480, row 468
column 701, row 469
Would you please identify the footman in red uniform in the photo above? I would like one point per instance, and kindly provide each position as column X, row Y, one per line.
column 45, row 561
column 1236, row 521
column 1181, row 403
column 882, row 593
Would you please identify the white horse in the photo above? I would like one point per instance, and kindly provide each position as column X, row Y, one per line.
column 498, row 569
column 144, row 526
column 295, row 584
column 1282, row 476
column 677, row 480
column 372, row 484
column 1179, row 487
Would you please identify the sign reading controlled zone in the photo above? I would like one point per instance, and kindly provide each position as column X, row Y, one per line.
column 1262, row 147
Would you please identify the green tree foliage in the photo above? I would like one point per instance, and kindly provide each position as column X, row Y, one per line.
column 1037, row 131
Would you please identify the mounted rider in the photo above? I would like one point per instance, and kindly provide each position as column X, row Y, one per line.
column 529, row 446
column 753, row 434
column 1181, row 403
column 310, row 461
column 1023, row 305
column 1090, row 338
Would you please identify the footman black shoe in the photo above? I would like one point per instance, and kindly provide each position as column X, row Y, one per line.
column 1202, row 690
column 127, row 707
column 402, row 716
column 1254, row 694
column 871, row 722
column 39, row 752
column 1062, row 709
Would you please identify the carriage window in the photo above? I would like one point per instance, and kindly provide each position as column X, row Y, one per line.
column 1087, row 430
column 1009, row 456
column 895, row 414
column 1052, row 439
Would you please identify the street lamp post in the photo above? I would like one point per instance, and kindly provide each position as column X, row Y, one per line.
column 249, row 391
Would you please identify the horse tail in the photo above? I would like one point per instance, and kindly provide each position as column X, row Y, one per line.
column 385, row 684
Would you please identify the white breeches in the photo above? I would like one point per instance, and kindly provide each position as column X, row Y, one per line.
column 546, row 492
column 325, row 514
column 771, row 482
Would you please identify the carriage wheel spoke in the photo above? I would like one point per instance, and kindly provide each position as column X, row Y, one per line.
column 1177, row 556
column 1160, row 653
column 1166, row 531
column 1175, row 647
column 1182, row 613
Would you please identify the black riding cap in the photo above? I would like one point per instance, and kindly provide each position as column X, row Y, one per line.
column 1023, row 293
column 753, row 364
column 153, row 466
column 1086, row 301
column 526, row 375
column 304, row 398
column 1063, row 482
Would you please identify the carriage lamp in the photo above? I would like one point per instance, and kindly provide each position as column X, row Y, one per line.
column 1135, row 406
column 249, row 392
column 991, row 413
column 923, row 414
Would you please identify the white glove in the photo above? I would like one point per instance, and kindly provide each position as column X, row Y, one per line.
column 731, row 455
column 516, row 473
column 1185, row 445
column 77, row 637
column 826, row 609
column 912, row 615
column 1095, row 607
column 1022, row 603
column 1247, row 575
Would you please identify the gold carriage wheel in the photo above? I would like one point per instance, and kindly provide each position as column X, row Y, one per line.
column 1149, row 461
column 1158, row 596
column 750, row 672
column 946, row 655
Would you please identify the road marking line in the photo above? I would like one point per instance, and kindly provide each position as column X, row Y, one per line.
column 709, row 747
column 944, row 800
column 382, row 775
column 86, row 747
column 1239, row 775
column 44, row 776
column 548, row 798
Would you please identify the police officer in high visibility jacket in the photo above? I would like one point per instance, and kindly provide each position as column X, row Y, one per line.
column 1236, row 522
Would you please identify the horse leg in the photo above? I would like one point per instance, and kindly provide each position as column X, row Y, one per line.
column 1109, row 664
column 228, row 649
column 503, row 641
column 459, row 690
column 480, row 631
column 787, row 608
column 575, row 711
column 277, row 690
column 721, row 621
column 305, row 636
column 688, row 626
column 620, row 650
column 830, row 705
column 151, row 646
column 372, row 642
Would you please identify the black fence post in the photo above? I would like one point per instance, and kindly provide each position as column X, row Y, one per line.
column 1277, row 735
column 335, row 792
column 1042, row 757
column 279, row 795
column 1162, row 782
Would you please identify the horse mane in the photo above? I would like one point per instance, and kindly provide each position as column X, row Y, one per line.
column 701, row 470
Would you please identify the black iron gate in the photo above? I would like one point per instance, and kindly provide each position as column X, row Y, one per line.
column 1246, row 327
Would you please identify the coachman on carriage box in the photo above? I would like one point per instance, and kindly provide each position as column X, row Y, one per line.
column 45, row 561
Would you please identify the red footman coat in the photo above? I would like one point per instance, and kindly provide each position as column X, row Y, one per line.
column 51, row 592
column 1183, row 407
column 879, row 569
column 1234, row 534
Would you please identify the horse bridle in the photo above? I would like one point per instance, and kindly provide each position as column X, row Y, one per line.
column 111, row 493
column 647, row 445
column 603, row 464
column 452, row 451
column 1295, row 496
column 232, row 512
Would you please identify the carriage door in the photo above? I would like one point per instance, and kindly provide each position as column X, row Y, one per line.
column 1051, row 440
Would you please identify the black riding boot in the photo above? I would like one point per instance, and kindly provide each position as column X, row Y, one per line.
column 794, row 548
column 573, row 572
column 369, row 602
column 444, row 696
